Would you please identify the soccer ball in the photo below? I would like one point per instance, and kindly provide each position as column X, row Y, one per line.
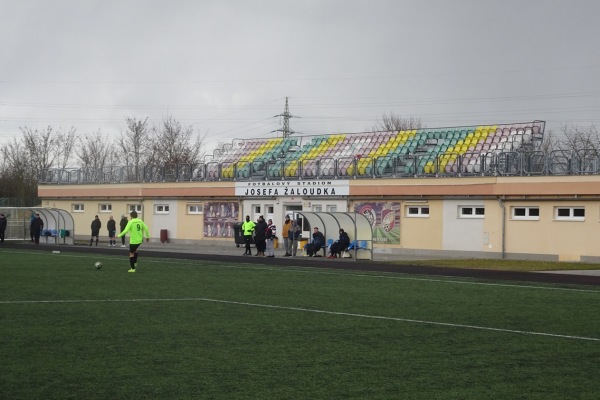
column 98, row 265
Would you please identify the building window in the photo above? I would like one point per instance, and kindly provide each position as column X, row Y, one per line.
column 161, row 209
column 135, row 207
column 417, row 211
column 569, row 213
column 78, row 207
column 471, row 212
column 195, row 208
column 525, row 213
column 331, row 208
column 105, row 208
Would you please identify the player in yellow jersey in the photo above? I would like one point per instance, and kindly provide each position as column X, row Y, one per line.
column 137, row 229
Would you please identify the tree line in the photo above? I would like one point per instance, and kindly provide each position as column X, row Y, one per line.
column 139, row 144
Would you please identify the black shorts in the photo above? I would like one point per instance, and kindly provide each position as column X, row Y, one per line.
column 111, row 233
column 133, row 247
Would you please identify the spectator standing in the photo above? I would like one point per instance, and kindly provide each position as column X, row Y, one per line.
column 31, row 219
column 96, row 225
column 287, row 224
column 122, row 225
column 317, row 241
column 111, row 225
column 339, row 245
column 294, row 235
column 36, row 227
column 3, row 223
column 260, row 236
column 271, row 233
column 248, row 230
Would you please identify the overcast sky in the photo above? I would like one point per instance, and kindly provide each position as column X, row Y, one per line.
column 225, row 67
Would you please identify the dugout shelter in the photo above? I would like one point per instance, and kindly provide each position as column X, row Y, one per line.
column 59, row 226
column 355, row 224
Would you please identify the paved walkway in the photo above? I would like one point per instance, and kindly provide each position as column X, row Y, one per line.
column 226, row 248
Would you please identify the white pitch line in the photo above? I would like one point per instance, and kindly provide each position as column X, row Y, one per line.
column 316, row 311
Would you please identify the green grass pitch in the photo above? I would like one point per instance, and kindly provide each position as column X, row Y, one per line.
column 180, row 329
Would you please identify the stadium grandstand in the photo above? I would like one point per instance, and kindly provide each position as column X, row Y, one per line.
column 509, row 149
column 486, row 191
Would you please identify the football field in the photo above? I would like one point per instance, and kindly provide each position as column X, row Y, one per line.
column 189, row 329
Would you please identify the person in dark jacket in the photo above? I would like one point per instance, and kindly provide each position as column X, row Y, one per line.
column 260, row 236
column 339, row 245
column 36, row 227
column 3, row 224
column 122, row 225
column 111, row 225
column 294, row 235
column 96, row 225
column 31, row 219
column 318, row 241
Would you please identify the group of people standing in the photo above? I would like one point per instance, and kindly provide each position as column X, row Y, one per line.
column 111, row 226
column 264, row 235
column 36, row 225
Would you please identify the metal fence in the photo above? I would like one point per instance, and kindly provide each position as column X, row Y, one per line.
column 498, row 163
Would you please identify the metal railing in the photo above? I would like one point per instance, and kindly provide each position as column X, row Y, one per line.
column 494, row 163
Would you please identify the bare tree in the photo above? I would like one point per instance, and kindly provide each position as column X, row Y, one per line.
column 42, row 147
column 393, row 122
column 66, row 147
column 94, row 151
column 579, row 139
column 135, row 144
column 18, row 180
column 175, row 144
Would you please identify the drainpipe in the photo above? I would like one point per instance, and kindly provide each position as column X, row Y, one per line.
column 501, row 203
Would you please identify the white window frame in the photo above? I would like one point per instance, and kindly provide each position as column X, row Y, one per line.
column 413, row 211
column 105, row 208
column 571, row 211
column 527, row 213
column 473, row 214
column 78, row 207
column 331, row 207
column 135, row 207
column 195, row 208
column 161, row 209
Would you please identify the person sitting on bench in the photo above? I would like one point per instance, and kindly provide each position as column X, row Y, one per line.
column 318, row 241
column 339, row 245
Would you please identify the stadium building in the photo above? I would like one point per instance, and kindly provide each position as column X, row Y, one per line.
column 470, row 191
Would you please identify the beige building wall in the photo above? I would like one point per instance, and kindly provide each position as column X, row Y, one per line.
column 189, row 226
column 563, row 239
column 421, row 232
column 568, row 239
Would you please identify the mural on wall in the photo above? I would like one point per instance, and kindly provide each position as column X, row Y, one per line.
column 384, row 217
column 219, row 218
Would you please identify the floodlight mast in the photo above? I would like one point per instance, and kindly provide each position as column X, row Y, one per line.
column 286, row 130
